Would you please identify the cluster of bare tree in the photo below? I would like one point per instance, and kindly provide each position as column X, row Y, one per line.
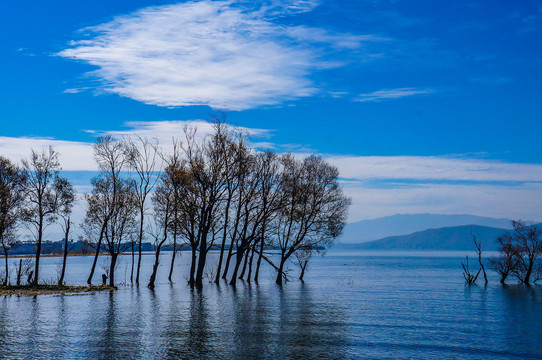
column 521, row 256
column 213, row 191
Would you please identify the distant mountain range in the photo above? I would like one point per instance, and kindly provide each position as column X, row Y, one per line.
column 396, row 225
column 446, row 238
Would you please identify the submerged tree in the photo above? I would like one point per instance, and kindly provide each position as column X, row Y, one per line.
column 65, row 205
column 142, row 156
column 122, row 224
column 505, row 264
column 163, row 212
column 102, row 202
column 527, row 240
column 470, row 278
column 12, row 184
column 42, row 194
column 314, row 208
column 478, row 245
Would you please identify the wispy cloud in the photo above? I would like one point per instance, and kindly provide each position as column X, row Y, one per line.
column 389, row 94
column 74, row 155
column 434, row 168
column 225, row 54
column 521, row 201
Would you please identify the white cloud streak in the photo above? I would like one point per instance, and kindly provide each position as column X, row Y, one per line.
column 225, row 54
column 521, row 201
column 390, row 94
column 434, row 168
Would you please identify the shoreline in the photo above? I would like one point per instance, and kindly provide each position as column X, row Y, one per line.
column 32, row 290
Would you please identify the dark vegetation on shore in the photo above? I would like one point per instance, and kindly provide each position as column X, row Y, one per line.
column 42, row 289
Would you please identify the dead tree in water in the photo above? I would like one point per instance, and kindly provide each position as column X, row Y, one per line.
column 314, row 208
column 11, row 199
column 41, row 172
column 121, row 226
column 470, row 278
column 507, row 262
column 527, row 240
column 110, row 157
column 66, row 201
column 141, row 157
column 478, row 245
column 162, row 200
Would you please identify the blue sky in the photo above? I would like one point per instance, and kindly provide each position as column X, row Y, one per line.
column 425, row 106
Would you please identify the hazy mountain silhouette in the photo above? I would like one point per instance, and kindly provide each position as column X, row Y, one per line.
column 368, row 230
column 446, row 238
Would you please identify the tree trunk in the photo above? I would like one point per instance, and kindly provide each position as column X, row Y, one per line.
column 38, row 251
column 7, row 270
column 19, row 272
column 224, row 235
column 112, row 269
column 303, row 267
column 239, row 259
column 201, row 265
column 133, row 263
column 244, row 265
column 174, row 252
column 141, row 218
column 192, row 280
column 89, row 280
column 527, row 279
column 250, row 264
column 154, row 268
column 66, row 235
column 280, row 270
column 257, row 273
column 228, row 259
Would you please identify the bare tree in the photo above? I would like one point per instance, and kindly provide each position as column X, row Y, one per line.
column 314, row 207
column 478, row 246
column 527, row 240
column 142, row 158
column 12, row 184
column 269, row 165
column 470, row 278
column 121, row 225
column 507, row 262
column 41, row 173
column 110, row 157
column 173, row 173
column 66, row 200
column 163, row 206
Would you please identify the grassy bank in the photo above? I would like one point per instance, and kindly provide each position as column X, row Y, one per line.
column 49, row 289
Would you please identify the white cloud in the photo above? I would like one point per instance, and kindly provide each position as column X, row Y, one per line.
column 78, row 156
column 521, row 201
column 434, row 168
column 74, row 155
column 389, row 94
column 225, row 54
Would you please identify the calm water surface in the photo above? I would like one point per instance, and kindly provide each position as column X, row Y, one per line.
column 352, row 305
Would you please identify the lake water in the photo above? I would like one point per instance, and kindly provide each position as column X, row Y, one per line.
column 352, row 305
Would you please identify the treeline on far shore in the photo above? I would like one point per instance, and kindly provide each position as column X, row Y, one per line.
column 83, row 247
column 206, row 192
